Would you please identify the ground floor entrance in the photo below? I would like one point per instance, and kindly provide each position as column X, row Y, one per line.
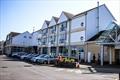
column 53, row 51
column 117, row 56
column 45, row 50
column 63, row 50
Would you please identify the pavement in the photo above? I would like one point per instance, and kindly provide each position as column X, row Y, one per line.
column 12, row 69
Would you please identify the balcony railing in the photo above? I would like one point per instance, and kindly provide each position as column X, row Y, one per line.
column 44, row 32
column 63, row 29
column 63, row 26
column 43, row 43
column 62, row 40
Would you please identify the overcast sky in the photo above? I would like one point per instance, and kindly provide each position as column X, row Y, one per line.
column 23, row 15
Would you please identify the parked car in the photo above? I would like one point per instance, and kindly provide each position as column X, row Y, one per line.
column 47, row 59
column 28, row 58
column 14, row 54
column 23, row 56
column 20, row 54
column 34, row 59
column 17, row 54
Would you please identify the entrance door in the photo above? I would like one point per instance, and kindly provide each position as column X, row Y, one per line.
column 117, row 56
column 45, row 50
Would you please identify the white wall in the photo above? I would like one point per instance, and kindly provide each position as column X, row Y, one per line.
column 75, row 37
column 105, row 18
column 20, row 40
column 76, row 22
column 35, row 39
column 91, row 25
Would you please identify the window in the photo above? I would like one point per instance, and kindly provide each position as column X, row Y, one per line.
column 44, row 31
column 63, row 26
column 30, row 37
column 44, row 41
column 25, row 37
column 63, row 37
column 53, row 29
column 81, row 38
column 82, row 24
column 39, row 41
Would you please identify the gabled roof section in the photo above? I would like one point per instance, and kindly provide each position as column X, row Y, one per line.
column 53, row 21
column 12, row 34
column 69, row 15
column 65, row 16
column 56, row 19
column 103, row 5
column 45, row 24
column 87, row 11
column 24, row 33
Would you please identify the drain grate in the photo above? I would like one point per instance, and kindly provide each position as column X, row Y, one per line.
column 4, row 67
column 27, row 65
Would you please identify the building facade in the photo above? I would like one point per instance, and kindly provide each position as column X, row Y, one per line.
column 90, row 36
column 69, row 34
column 17, row 42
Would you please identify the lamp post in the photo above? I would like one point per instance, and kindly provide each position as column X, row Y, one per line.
column 23, row 46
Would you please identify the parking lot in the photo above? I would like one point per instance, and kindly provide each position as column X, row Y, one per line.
column 12, row 69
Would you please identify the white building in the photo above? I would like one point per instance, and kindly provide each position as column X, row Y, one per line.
column 79, row 36
column 71, row 32
column 19, row 42
column 24, row 39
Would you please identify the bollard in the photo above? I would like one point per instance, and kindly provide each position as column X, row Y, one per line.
column 77, row 65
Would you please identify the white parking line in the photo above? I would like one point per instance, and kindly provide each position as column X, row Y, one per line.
column 59, row 69
column 93, row 70
column 78, row 71
column 70, row 70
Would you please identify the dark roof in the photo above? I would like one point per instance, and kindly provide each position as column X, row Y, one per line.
column 95, row 37
column 88, row 10
column 47, row 22
column 56, row 19
column 68, row 15
column 13, row 34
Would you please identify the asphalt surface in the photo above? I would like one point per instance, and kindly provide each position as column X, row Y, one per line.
column 12, row 69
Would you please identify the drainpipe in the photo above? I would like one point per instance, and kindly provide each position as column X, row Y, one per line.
column 98, row 16
column 69, row 39
column 57, row 29
column 101, row 55
column 49, row 45
column 86, row 47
